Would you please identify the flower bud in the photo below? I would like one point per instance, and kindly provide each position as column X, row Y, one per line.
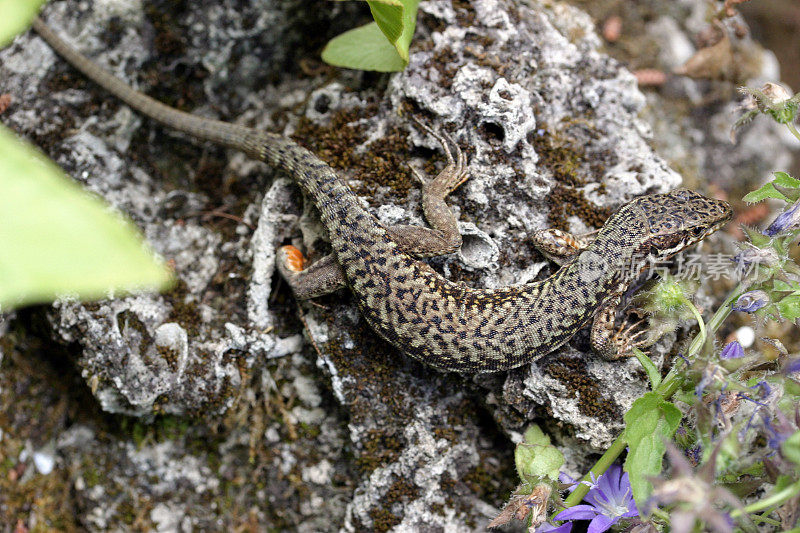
column 777, row 93
column 751, row 301
column 732, row 350
column 788, row 220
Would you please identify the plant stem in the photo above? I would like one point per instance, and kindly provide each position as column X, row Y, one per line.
column 599, row 467
column 776, row 499
column 793, row 130
column 666, row 389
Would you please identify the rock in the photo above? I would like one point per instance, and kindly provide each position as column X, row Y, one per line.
column 345, row 434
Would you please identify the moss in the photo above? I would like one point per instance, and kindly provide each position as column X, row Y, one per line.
column 402, row 490
column 91, row 476
column 383, row 520
column 170, row 356
column 569, row 164
column 465, row 13
column 33, row 409
column 381, row 165
column 308, row 431
column 186, row 314
column 572, row 372
column 565, row 202
column 379, row 449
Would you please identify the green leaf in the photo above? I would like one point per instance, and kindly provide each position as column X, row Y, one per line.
column 364, row 48
column 756, row 237
column 785, row 180
column 780, row 285
column 536, row 458
column 790, row 448
column 388, row 15
column 57, row 239
column 535, row 462
column 789, row 307
column 648, row 424
column 787, row 186
column 766, row 191
column 382, row 45
column 409, row 25
column 17, row 16
column 652, row 372
column 535, row 435
column 781, row 188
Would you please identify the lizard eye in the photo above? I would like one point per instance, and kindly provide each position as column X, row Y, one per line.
column 697, row 231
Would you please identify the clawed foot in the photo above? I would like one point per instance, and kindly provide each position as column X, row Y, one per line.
column 454, row 173
column 561, row 246
column 624, row 340
column 613, row 342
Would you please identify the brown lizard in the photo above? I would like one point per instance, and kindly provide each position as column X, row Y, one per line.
column 447, row 325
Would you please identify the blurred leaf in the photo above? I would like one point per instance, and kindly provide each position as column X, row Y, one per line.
column 536, row 458
column 57, row 239
column 789, row 307
column 648, row 424
column 535, row 435
column 17, row 16
column 535, row 462
column 790, row 448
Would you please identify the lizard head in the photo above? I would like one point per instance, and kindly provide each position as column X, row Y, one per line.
column 679, row 219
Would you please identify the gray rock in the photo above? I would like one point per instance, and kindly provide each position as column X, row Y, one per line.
column 348, row 434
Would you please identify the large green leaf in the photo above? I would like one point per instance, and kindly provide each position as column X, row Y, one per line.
column 16, row 17
column 364, row 48
column 382, row 45
column 57, row 239
column 648, row 424
column 388, row 15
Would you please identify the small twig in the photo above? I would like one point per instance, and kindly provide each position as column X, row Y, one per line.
column 222, row 214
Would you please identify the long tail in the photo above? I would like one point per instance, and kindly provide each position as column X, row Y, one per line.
column 332, row 196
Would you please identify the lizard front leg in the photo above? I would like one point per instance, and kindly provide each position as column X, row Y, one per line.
column 325, row 276
column 610, row 341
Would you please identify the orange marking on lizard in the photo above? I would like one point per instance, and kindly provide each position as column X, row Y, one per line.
column 294, row 259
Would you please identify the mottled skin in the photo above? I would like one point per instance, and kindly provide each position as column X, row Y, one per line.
column 448, row 325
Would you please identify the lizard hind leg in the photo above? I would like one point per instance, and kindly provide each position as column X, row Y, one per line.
column 561, row 246
column 454, row 173
column 444, row 236
column 320, row 278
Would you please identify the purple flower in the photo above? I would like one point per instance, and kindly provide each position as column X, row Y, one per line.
column 732, row 350
column 792, row 367
column 751, row 301
column 547, row 527
column 608, row 501
column 788, row 220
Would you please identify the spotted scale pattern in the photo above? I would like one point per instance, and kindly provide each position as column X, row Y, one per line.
column 448, row 325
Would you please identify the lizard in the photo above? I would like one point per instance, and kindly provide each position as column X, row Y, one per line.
column 447, row 325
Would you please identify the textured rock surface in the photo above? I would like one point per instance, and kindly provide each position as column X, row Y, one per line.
column 348, row 434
